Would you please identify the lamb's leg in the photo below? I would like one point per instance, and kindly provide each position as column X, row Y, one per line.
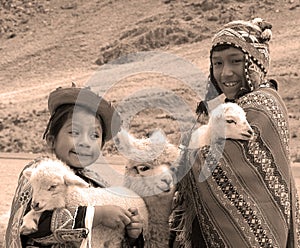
column 30, row 222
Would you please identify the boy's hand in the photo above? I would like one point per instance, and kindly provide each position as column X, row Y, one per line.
column 135, row 227
column 111, row 216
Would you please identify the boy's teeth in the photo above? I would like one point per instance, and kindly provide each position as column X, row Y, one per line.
column 230, row 84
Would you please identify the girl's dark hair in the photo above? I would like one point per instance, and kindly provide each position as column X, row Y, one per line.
column 62, row 114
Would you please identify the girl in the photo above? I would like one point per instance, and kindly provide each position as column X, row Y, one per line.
column 80, row 123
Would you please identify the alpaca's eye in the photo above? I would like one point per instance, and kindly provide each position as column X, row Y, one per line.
column 173, row 168
column 231, row 121
column 52, row 188
column 143, row 167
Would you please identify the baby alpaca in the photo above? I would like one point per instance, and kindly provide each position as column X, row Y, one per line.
column 56, row 186
column 149, row 172
column 227, row 121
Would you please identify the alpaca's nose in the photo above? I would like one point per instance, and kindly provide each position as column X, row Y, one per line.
column 167, row 179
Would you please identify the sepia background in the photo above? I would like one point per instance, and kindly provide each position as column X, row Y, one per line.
column 45, row 44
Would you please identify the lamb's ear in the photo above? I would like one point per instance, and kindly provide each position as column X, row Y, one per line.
column 27, row 173
column 219, row 111
column 71, row 179
column 228, row 106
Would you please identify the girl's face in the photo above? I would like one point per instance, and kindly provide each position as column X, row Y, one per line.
column 79, row 141
column 228, row 70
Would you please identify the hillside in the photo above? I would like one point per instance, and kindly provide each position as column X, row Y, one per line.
column 49, row 43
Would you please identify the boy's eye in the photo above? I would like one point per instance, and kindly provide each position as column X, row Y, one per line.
column 237, row 60
column 217, row 63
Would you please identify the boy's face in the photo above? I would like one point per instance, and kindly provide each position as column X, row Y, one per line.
column 228, row 70
column 79, row 141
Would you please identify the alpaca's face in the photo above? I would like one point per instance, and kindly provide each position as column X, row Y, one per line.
column 148, row 169
column 149, row 178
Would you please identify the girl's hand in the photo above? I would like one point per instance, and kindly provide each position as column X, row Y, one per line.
column 111, row 216
column 134, row 229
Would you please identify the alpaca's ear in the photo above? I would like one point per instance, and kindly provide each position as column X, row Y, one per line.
column 71, row 179
column 124, row 139
column 27, row 173
column 158, row 136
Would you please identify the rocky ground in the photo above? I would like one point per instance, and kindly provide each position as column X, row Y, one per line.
column 48, row 43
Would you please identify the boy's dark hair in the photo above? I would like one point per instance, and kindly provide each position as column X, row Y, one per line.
column 221, row 47
column 62, row 114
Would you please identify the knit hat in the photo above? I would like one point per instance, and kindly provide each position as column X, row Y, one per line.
column 86, row 98
column 252, row 37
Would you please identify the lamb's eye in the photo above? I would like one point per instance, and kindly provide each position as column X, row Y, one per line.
column 52, row 187
column 231, row 121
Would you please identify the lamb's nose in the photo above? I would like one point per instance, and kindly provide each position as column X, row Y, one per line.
column 250, row 132
column 35, row 205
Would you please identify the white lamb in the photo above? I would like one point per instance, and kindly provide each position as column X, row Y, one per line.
column 149, row 172
column 227, row 121
column 55, row 185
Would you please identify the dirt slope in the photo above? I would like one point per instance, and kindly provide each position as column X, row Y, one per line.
column 49, row 43
column 45, row 44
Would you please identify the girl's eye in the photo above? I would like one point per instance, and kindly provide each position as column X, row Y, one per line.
column 95, row 136
column 231, row 121
column 74, row 132
column 52, row 187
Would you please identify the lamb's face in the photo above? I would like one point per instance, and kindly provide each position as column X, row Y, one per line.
column 48, row 192
column 229, row 121
column 50, row 181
